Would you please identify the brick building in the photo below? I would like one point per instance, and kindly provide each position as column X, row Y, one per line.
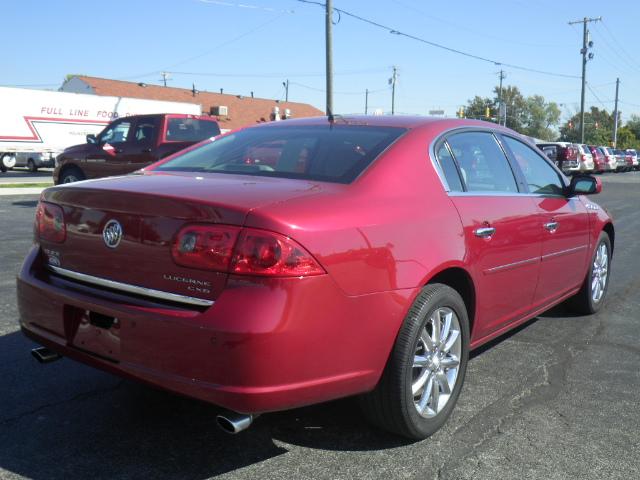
column 233, row 111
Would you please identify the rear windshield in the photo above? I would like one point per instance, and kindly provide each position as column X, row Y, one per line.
column 332, row 153
column 190, row 129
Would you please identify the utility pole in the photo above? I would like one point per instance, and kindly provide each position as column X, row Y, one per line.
column 500, row 107
column 286, row 90
column 366, row 101
column 615, row 116
column 392, row 81
column 586, row 44
column 165, row 76
column 329, row 52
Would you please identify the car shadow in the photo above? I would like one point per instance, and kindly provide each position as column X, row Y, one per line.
column 66, row 420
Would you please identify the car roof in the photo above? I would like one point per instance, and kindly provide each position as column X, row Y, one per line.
column 401, row 121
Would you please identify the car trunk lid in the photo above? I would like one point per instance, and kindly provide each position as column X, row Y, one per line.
column 150, row 209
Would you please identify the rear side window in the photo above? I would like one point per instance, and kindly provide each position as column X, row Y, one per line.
column 333, row 153
column 190, row 129
column 540, row 176
column 449, row 168
column 483, row 165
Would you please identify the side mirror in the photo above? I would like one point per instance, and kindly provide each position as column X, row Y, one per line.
column 91, row 138
column 584, row 185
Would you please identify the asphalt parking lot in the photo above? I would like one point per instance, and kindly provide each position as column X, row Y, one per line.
column 556, row 399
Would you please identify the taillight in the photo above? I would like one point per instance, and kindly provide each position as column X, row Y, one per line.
column 50, row 222
column 244, row 251
column 266, row 253
column 206, row 247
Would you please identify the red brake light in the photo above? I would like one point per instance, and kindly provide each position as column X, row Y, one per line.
column 50, row 222
column 260, row 252
column 244, row 251
column 206, row 247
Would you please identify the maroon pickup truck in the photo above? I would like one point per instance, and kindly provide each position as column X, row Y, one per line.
column 131, row 143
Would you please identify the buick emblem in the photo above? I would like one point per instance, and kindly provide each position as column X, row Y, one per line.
column 112, row 233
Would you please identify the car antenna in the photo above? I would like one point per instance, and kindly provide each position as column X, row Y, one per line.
column 330, row 117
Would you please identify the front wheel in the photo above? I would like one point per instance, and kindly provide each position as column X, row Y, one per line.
column 425, row 371
column 591, row 296
column 70, row 175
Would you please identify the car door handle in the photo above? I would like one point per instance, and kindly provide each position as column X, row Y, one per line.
column 118, row 150
column 551, row 226
column 146, row 150
column 484, row 232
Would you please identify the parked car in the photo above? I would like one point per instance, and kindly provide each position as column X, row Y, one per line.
column 632, row 154
column 357, row 262
column 564, row 155
column 585, row 158
column 621, row 158
column 132, row 143
column 600, row 164
column 612, row 159
column 31, row 160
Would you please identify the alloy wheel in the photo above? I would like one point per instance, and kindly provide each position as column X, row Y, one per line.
column 436, row 362
column 599, row 273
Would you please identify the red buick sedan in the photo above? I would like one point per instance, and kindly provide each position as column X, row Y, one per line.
column 297, row 262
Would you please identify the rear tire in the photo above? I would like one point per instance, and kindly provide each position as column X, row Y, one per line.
column 594, row 289
column 70, row 175
column 31, row 166
column 425, row 371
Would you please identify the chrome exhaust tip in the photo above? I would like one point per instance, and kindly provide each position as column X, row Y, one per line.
column 233, row 422
column 44, row 355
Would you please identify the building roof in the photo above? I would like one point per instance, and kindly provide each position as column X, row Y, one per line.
column 243, row 111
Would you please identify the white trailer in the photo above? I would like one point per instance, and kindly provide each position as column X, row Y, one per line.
column 38, row 124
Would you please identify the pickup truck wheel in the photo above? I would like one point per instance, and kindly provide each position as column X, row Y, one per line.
column 71, row 174
column 591, row 296
column 31, row 166
column 425, row 371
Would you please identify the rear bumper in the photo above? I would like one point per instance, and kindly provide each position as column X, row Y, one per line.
column 263, row 346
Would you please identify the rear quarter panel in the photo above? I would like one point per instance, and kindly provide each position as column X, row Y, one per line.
column 391, row 229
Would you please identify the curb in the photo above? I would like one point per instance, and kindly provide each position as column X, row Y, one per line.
column 21, row 191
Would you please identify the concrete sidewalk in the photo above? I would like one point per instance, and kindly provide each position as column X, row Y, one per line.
column 21, row 191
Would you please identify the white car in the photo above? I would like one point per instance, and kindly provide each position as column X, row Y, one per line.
column 585, row 158
column 32, row 160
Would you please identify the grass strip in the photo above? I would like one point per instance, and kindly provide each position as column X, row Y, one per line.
column 26, row 185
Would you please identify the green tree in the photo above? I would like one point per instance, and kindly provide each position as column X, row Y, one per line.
column 598, row 128
column 516, row 106
column 538, row 118
column 532, row 116
column 477, row 107
column 634, row 125
column 627, row 138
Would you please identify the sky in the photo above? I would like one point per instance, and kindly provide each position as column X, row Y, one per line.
column 256, row 45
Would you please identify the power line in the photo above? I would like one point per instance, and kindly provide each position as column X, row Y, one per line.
column 340, row 93
column 207, row 52
column 439, row 45
column 619, row 44
column 277, row 74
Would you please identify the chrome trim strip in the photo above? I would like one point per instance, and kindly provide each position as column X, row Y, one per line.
column 563, row 252
column 125, row 287
column 510, row 265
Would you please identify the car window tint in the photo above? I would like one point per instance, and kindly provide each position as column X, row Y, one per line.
column 116, row 133
column 482, row 162
column 330, row 152
column 540, row 176
column 449, row 168
column 145, row 131
column 186, row 129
